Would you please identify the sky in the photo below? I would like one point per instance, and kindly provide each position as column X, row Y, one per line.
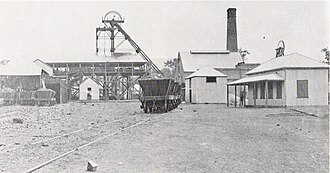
column 66, row 30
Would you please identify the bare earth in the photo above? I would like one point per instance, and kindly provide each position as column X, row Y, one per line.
column 191, row 138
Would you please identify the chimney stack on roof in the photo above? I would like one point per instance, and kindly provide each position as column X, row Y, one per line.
column 231, row 30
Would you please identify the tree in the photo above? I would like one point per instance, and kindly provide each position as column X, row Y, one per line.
column 326, row 54
column 169, row 68
column 243, row 54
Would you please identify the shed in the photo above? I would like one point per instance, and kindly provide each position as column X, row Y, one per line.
column 226, row 62
column 60, row 87
column 89, row 89
column 189, row 62
column 290, row 80
column 206, row 85
column 25, row 75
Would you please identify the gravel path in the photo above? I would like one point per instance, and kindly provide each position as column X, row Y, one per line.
column 191, row 138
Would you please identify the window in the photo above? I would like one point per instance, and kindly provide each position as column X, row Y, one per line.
column 189, row 82
column 89, row 89
column 270, row 90
column 262, row 90
column 302, row 88
column 211, row 80
column 255, row 91
column 279, row 90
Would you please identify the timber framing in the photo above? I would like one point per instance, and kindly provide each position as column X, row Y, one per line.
column 117, row 78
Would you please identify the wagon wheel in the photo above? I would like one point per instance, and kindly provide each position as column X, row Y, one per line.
column 145, row 108
column 165, row 106
column 170, row 106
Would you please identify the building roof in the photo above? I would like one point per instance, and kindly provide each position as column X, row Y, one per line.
column 23, row 68
column 92, row 80
column 294, row 60
column 206, row 72
column 268, row 77
column 118, row 57
column 44, row 66
column 194, row 60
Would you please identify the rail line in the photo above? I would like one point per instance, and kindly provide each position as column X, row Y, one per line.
column 70, row 133
column 7, row 114
column 83, row 129
column 86, row 144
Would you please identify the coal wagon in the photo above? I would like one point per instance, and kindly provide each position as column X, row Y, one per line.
column 159, row 94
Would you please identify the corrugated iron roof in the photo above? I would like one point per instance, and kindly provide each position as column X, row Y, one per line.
column 206, row 72
column 212, row 59
column 20, row 68
column 90, row 79
column 118, row 57
column 294, row 60
column 268, row 77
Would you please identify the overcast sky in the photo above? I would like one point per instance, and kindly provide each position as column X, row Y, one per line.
column 62, row 30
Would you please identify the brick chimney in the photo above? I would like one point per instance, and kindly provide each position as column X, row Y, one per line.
column 231, row 30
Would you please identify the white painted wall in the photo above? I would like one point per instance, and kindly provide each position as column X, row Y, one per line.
column 95, row 90
column 317, row 86
column 203, row 92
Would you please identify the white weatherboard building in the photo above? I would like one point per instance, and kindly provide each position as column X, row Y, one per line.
column 206, row 86
column 290, row 80
column 89, row 90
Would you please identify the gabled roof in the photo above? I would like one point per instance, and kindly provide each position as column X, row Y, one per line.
column 44, row 66
column 206, row 72
column 294, row 60
column 194, row 60
column 22, row 68
column 92, row 80
column 268, row 77
column 118, row 57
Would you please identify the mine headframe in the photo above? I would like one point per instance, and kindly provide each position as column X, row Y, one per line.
column 112, row 27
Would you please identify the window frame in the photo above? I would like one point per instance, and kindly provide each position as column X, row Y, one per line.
column 304, row 85
column 270, row 89
column 212, row 81
column 262, row 85
column 255, row 91
column 189, row 82
column 279, row 85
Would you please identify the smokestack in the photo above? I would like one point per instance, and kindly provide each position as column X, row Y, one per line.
column 231, row 30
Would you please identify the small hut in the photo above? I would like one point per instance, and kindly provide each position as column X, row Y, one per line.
column 206, row 86
column 89, row 89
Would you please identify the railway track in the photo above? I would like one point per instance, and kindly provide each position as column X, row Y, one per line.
column 82, row 146
column 7, row 114
column 65, row 144
column 67, row 134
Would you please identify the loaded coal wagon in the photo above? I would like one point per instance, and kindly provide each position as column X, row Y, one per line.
column 159, row 95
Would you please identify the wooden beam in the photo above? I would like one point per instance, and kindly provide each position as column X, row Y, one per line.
column 106, row 83
column 235, row 96
column 227, row 95
column 244, row 98
column 266, row 93
column 255, row 94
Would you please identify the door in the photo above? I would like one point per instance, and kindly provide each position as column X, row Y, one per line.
column 190, row 96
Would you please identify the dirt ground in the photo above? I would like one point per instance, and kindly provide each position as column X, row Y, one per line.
column 191, row 138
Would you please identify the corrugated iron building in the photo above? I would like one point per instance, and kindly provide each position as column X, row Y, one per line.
column 290, row 80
